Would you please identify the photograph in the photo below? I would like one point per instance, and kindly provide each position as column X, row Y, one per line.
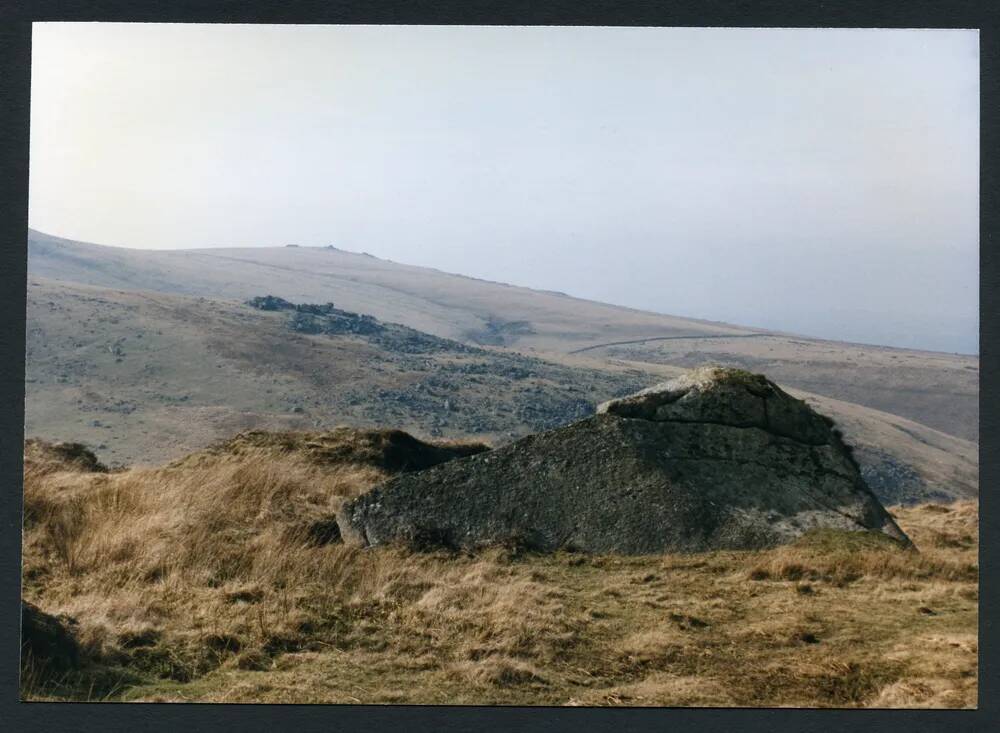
column 502, row 365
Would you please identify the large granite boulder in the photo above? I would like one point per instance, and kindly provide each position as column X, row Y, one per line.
column 715, row 459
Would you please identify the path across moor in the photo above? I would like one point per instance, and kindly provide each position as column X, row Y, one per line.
column 670, row 338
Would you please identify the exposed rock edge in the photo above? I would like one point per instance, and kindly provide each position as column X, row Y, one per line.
column 715, row 459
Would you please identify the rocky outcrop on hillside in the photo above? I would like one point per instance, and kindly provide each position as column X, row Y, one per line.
column 715, row 459
column 314, row 318
column 325, row 318
column 466, row 390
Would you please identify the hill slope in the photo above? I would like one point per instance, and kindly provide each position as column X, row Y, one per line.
column 146, row 376
column 938, row 390
column 442, row 304
column 149, row 376
column 238, row 594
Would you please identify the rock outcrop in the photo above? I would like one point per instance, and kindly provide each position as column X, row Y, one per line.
column 716, row 459
column 324, row 318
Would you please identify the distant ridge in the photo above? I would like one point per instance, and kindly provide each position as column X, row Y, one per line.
column 938, row 390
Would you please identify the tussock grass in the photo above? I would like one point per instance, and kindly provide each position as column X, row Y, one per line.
column 205, row 580
column 842, row 558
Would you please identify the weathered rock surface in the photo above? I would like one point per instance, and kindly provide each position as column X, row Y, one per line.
column 716, row 459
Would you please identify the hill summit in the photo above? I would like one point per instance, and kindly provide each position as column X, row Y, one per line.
column 714, row 459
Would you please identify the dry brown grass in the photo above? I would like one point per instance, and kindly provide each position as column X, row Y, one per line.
column 203, row 580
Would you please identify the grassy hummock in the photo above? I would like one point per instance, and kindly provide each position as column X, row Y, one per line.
column 200, row 582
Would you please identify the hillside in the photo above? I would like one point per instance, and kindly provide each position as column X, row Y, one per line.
column 175, row 592
column 442, row 304
column 206, row 566
column 937, row 390
column 148, row 376
column 144, row 377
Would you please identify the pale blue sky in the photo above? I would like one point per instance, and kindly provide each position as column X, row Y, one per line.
column 819, row 181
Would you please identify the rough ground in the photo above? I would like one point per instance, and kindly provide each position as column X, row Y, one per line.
column 202, row 581
column 714, row 459
column 143, row 377
column 937, row 390
column 219, row 577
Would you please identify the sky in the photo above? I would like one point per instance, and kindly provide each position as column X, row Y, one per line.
column 824, row 182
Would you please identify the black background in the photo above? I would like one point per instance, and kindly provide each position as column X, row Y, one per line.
column 15, row 51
